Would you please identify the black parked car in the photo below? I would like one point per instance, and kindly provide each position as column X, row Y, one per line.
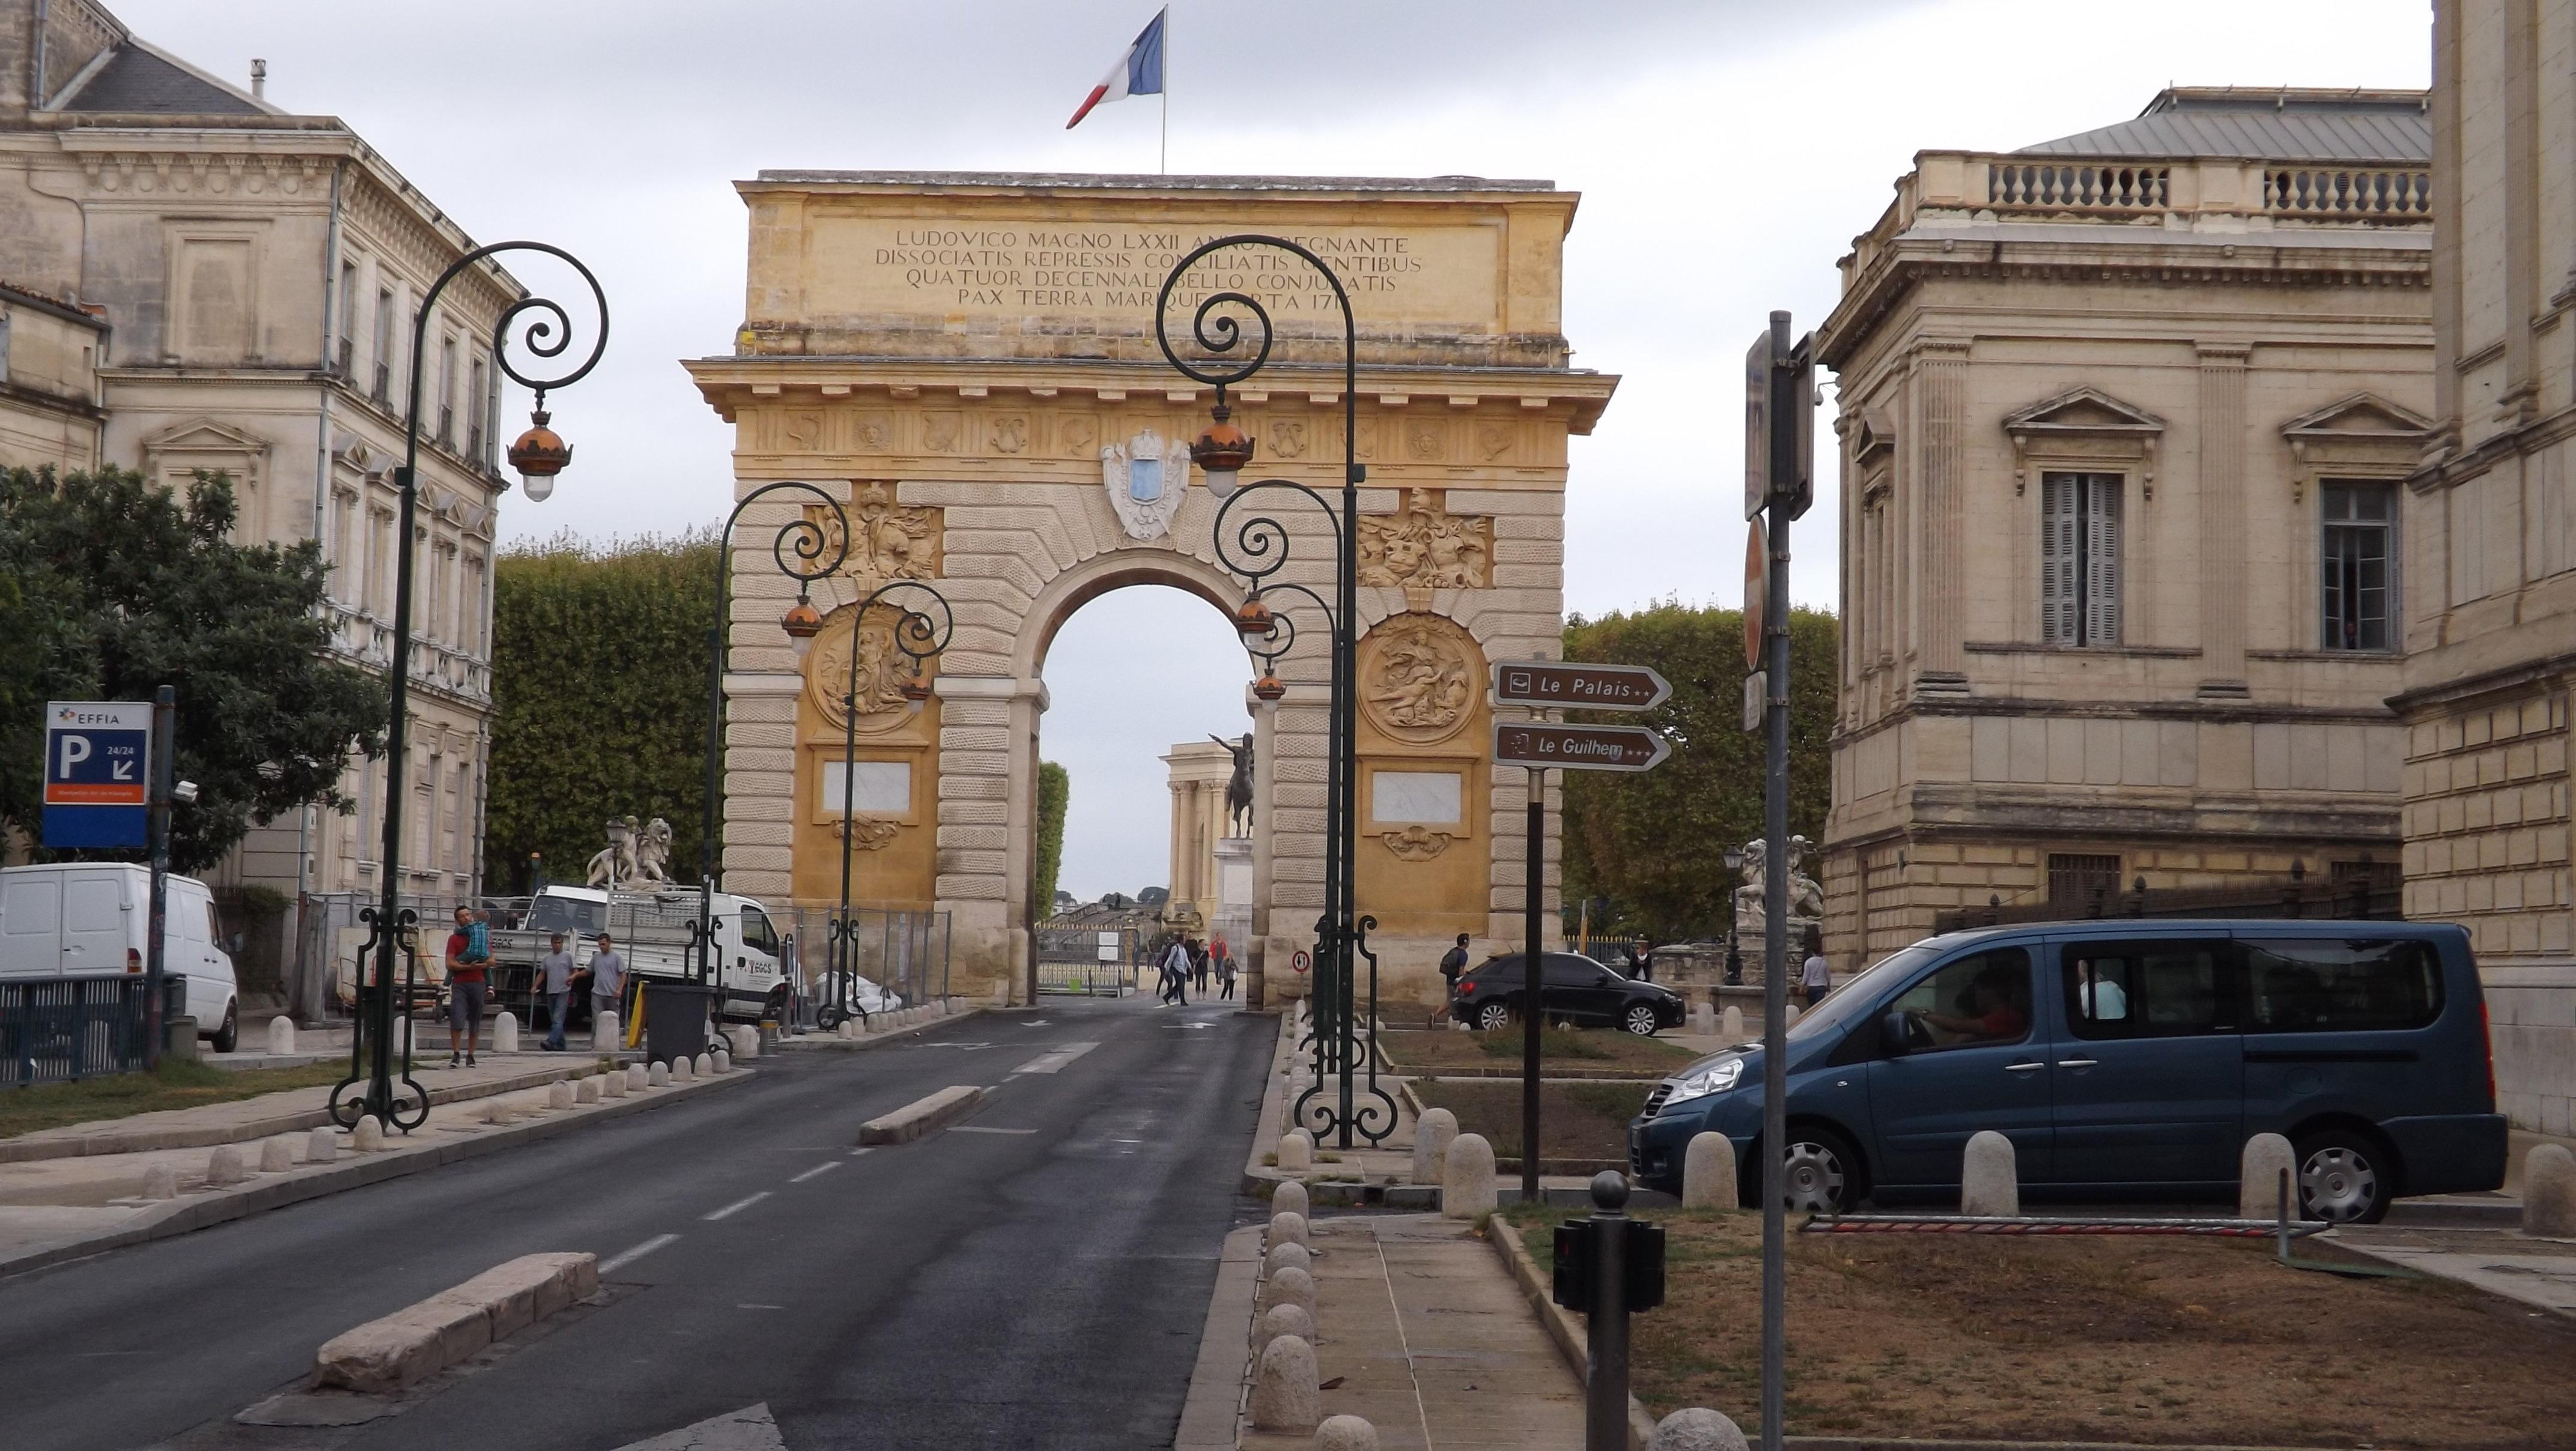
column 1573, row 988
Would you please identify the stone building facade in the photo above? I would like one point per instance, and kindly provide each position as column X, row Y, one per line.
column 2491, row 539
column 2124, row 418
column 1198, row 772
column 973, row 357
column 257, row 273
column 49, row 398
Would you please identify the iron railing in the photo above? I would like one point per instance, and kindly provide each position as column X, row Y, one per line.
column 64, row 1029
column 1090, row 960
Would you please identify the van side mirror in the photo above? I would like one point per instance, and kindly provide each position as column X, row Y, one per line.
column 1896, row 1034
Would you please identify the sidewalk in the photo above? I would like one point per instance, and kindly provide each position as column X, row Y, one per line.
column 1431, row 1343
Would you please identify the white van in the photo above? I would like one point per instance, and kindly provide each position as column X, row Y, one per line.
column 87, row 919
column 652, row 932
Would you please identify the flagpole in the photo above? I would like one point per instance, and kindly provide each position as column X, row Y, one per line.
column 1163, row 159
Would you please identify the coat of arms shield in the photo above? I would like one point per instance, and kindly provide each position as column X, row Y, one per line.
column 1147, row 479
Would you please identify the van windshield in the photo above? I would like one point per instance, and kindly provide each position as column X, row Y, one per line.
column 1853, row 996
column 570, row 916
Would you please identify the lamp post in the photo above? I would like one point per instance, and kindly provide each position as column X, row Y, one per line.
column 1734, row 957
column 538, row 455
column 1257, row 549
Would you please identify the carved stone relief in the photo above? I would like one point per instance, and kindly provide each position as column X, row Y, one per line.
column 1417, row 678
column 866, row 833
column 1416, row 843
column 881, row 670
column 1146, row 478
column 1424, row 545
column 892, row 541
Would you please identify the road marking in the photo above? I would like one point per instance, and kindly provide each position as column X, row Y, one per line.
column 1055, row 1059
column 825, row 1167
column 980, row 1129
column 621, row 1261
column 760, row 1307
column 736, row 1207
column 854, row 1153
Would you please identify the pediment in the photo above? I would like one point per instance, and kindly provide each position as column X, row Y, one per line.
column 2082, row 411
column 1872, row 436
column 2360, row 418
column 205, row 435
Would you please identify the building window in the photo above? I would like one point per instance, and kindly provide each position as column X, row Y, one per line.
column 5, row 316
column 2360, row 520
column 384, row 357
column 343, row 360
column 2079, row 559
column 2077, row 880
column 475, row 389
column 447, row 393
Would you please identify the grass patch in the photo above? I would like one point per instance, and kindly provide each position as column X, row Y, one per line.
column 2083, row 1339
column 1552, row 1043
column 1575, row 1120
column 177, row 1083
column 1563, row 1052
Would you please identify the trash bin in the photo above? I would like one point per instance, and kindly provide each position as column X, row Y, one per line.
column 675, row 1020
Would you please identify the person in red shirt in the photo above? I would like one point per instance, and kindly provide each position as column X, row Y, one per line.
column 1993, row 1016
column 465, row 990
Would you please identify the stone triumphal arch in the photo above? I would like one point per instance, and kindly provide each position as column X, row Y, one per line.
column 968, row 363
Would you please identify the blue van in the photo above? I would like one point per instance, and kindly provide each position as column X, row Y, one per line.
column 2124, row 1059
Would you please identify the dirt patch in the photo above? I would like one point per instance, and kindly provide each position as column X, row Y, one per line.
column 177, row 1083
column 1575, row 1120
column 2138, row 1340
column 1563, row 1053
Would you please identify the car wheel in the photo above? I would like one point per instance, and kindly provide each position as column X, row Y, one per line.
column 1641, row 1020
column 1494, row 1016
column 1820, row 1173
column 228, row 1037
column 2344, row 1178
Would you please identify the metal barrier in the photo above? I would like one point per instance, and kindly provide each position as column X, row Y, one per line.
column 64, row 1029
column 1091, row 961
column 902, row 952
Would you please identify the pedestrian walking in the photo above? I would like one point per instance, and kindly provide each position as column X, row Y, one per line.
column 1225, row 974
column 1176, row 973
column 607, row 985
column 554, row 978
column 1816, row 977
column 1199, row 965
column 465, row 987
column 1453, row 963
column 1642, row 952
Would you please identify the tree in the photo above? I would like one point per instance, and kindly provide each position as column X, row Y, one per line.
column 117, row 588
column 599, row 693
column 1654, row 843
column 1055, row 792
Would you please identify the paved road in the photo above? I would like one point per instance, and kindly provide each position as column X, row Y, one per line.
column 1034, row 1277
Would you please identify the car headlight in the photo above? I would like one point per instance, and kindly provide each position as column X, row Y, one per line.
column 1717, row 1078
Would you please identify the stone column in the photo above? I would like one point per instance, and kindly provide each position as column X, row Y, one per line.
column 1941, row 382
column 2222, row 524
column 1265, row 778
column 987, row 798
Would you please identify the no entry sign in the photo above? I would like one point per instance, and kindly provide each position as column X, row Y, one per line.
column 98, row 771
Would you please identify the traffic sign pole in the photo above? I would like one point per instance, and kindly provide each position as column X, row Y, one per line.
column 165, row 710
column 1533, row 1005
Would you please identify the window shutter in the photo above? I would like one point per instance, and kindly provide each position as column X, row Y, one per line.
column 2058, row 591
column 2102, row 560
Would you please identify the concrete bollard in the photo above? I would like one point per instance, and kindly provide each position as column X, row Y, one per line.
column 682, row 1070
column 368, row 1137
column 1284, row 1394
column 2549, row 1192
column 276, row 1156
column 721, row 1061
column 321, row 1146
column 1708, row 1173
column 559, row 1094
column 746, row 1044
column 1346, row 1433
column 849, row 1027
column 607, row 1034
column 1289, row 1287
column 1792, row 1019
column 1281, row 1320
column 1733, row 1031
column 1288, row 1255
column 703, row 1066
column 1287, row 1229
column 638, row 1077
column 1989, row 1183
column 224, row 1166
column 1296, row 1151
column 587, row 1090
column 281, row 1035
column 1289, row 1198
column 1433, row 1133
column 1696, row 1430
column 505, row 1032
column 659, row 1076
column 612, row 1084
column 1704, row 1019
column 160, row 1182
column 2258, row 1178
column 1467, row 1180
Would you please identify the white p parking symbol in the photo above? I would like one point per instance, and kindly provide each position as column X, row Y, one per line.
column 76, row 749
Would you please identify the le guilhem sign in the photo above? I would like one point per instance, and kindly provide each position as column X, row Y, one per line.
column 1581, row 747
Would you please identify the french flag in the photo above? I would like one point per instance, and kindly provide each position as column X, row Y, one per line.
column 1139, row 72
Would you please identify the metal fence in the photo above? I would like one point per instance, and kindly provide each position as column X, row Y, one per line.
column 906, row 953
column 1091, row 960
column 62, row 1029
column 329, row 937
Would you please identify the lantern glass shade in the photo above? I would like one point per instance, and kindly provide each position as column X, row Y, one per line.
column 1221, row 451
column 1734, row 859
column 538, row 487
column 802, row 622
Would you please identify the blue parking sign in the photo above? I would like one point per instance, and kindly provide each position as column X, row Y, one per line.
column 98, row 772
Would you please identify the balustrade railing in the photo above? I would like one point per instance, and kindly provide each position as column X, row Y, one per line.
column 2058, row 187
column 2318, row 192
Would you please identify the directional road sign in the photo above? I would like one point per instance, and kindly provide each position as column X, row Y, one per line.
column 1579, row 747
column 98, row 771
column 1588, row 687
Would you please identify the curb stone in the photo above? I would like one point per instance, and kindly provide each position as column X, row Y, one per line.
column 1211, row 1411
column 421, row 1339
column 205, row 1210
column 825, row 1043
column 915, row 1120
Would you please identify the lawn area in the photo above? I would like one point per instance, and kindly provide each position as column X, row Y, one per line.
column 1565, row 1052
column 1575, row 1120
column 2154, row 1341
column 177, row 1083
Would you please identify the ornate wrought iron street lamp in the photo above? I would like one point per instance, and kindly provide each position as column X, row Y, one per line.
column 918, row 634
column 1256, row 548
column 539, row 454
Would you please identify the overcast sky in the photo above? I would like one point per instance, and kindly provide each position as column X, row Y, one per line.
column 1727, row 152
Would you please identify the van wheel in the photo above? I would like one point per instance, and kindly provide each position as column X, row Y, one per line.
column 228, row 1037
column 1820, row 1172
column 1494, row 1017
column 2344, row 1178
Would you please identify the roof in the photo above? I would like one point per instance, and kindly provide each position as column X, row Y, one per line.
column 137, row 79
column 1142, row 182
column 2387, row 127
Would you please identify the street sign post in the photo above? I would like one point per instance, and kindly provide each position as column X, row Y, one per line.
column 98, row 772
column 1779, row 422
column 1584, row 747
column 1579, row 685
